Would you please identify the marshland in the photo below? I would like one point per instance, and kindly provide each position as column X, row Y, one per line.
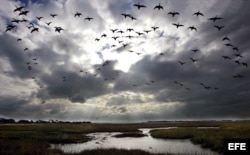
column 38, row 138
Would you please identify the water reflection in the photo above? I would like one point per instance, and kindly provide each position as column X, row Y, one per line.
column 147, row 143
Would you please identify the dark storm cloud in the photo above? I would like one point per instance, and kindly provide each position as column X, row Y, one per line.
column 11, row 106
column 77, row 86
column 16, row 55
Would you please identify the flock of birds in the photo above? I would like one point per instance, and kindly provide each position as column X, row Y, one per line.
column 118, row 36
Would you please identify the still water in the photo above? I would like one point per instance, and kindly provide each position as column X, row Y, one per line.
column 105, row 140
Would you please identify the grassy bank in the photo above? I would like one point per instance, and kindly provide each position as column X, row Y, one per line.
column 208, row 138
column 36, row 138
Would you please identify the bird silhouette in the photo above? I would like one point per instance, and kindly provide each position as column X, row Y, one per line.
column 19, row 39
column 181, row 63
column 219, row 27
column 19, row 8
column 154, row 28
column 159, row 7
column 244, row 64
column 115, row 37
column 97, row 39
column 139, row 6
column 192, row 28
column 15, row 20
column 129, row 36
column 193, row 60
column 132, row 18
column 39, row 18
column 125, row 15
column 147, row 31
column 103, row 35
column 235, row 49
column 26, row 49
column 48, row 23
column 225, row 38
column 78, row 14
column 34, row 29
column 198, row 14
column 53, row 15
column 139, row 33
column 174, row 13
column 89, row 18
column 237, row 61
column 23, row 13
column 238, row 76
column 226, row 57
column 9, row 28
column 177, row 25
column 238, row 55
column 58, row 29
column 113, row 30
column 120, row 31
column 130, row 29
column 228, row 45
column 215, row 18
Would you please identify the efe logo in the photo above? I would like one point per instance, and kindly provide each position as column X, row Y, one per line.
column 237, row 147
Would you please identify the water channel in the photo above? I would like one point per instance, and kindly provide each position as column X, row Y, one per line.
column 105, row 140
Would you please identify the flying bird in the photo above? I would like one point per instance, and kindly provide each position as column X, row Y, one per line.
column 154, row 28
column 147, row 31
column 198, row 14
column 130, row 29
column 78, row 14
column 58, row 29
column 228, row 45
column 244, row 64
column 39, row 18
column 235, row 49
column 23, row 13
column 34, row 29
column 159, row 7
column 103, row 35
column 225, row 38
column 178, row 25
column 132, row 18
column 238, row 76
column 192, row 28
column 195, row 50
column 88, row 18
column 215, row 18
column 18, row 8
column 194, row 60
column 53, row 15
column 115, row 37
column 174, row 13
column 219, row 27
column 139, row 6
column 15, row 20
column 113, row 30
column 226, row 57
column 129, row 36
column 181, row 63
column 48, row 23
column 125, row 15
column 238, row 55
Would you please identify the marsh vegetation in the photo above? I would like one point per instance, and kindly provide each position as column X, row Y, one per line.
column 37, row 138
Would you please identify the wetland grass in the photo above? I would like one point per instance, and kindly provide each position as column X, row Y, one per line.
column 36, row 138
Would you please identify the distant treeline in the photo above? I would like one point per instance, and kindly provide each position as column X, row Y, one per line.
column 11, row 121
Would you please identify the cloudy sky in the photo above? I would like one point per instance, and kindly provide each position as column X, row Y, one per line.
column 79, row 74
